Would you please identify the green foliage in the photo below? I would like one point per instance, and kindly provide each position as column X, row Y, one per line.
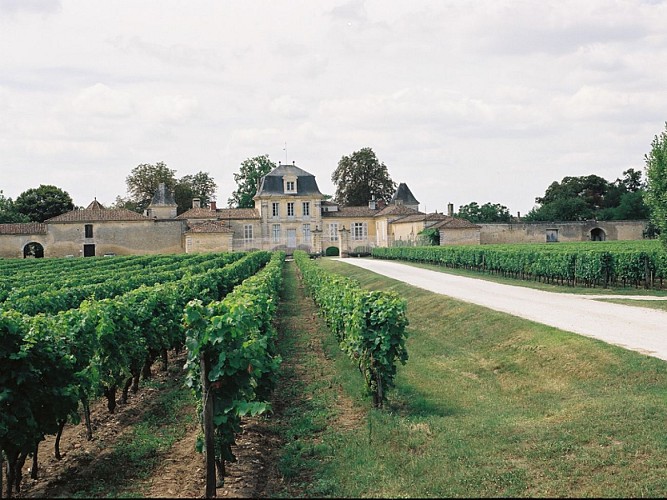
column 48, row 363
column 429, row 236
column 200, row 185
column 360, row 176
column 332, row 252
column 489, row 212
column 44, row 202
column 247, row 180
column 369, row 326
column 656, row 189
column 588, row 264
column 8, row 212
column 144, row 180
column 592, row 197
column 235, row 338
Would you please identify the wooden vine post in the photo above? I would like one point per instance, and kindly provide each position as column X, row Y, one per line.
column 209, row 428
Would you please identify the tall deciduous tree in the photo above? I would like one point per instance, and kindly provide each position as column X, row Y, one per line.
column 200, row 185
column 247, row 180
column 8, row 212
column 44, row 202
column 144, row 180
column 361, row 176
column 656, row 184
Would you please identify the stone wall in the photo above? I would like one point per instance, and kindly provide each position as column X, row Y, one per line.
column 463, row 236
column 536, row 232
column 115, row 237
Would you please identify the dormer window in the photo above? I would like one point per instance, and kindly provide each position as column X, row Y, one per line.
column 290, row 185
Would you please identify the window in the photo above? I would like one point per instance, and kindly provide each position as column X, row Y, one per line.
column 275, row 209
column 359, row 231
column 552, row 235
column 290, row 209
column 305, row 207
column 333, row 231
column 88, row 230
column 306, row 233
column 247, row 232
column 276, row 233
column 290, row 186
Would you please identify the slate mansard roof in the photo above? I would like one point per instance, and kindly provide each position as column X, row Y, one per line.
column 404, row 194
column 272, row 183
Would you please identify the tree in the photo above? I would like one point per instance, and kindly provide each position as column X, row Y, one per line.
column 489, row 212
column 656, row 184
column 360, row 176
column 44, row 202
column 144, row 180
column 592, row 197
column 247, row 180
column 200, row 185
column 8, row 212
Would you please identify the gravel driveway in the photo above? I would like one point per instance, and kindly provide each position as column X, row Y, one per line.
column 636, row 328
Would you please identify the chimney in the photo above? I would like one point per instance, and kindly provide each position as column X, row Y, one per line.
column 213, row 206
column 450, row 209
column 372, row 204
column 196, row 203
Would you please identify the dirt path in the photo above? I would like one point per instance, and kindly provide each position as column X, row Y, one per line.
column 635, row 328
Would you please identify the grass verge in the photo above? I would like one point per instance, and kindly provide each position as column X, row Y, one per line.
column 492, row 405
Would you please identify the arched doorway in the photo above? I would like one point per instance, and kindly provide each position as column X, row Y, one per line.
column 33, row 250
column 598, row 234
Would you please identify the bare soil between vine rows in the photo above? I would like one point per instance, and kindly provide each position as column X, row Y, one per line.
column 180, row 473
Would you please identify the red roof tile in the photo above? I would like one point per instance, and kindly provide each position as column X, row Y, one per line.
column 23, row 228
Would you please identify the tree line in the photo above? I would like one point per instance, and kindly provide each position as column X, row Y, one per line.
column 361, row 176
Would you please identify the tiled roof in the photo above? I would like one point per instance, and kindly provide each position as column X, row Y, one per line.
column 209, row 227
column 23, row 228
column 198, row 213
column 238, row 213
column 397, row 210
column 97, row 214
column 455, row 223
column 352, row 212
column 421, row 217
column 220, row 213
column 95, row 205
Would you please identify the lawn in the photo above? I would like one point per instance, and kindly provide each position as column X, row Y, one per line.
column 493, row 405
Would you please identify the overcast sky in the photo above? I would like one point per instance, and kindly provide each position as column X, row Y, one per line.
column 486, row 101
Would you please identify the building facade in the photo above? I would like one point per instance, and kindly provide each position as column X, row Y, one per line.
column 290, row 213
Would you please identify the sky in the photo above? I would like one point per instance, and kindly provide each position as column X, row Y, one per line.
column 485, row 101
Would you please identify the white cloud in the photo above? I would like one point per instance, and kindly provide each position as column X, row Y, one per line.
column 101, row 100
column 30, row 6
column 465, row 101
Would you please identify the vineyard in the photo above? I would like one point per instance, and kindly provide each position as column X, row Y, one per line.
column 594, row 264
column 76, row 330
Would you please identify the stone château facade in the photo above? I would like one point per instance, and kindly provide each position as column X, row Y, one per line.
column 290, row 213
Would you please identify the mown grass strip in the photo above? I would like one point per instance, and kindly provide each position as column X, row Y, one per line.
column 493, row 405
